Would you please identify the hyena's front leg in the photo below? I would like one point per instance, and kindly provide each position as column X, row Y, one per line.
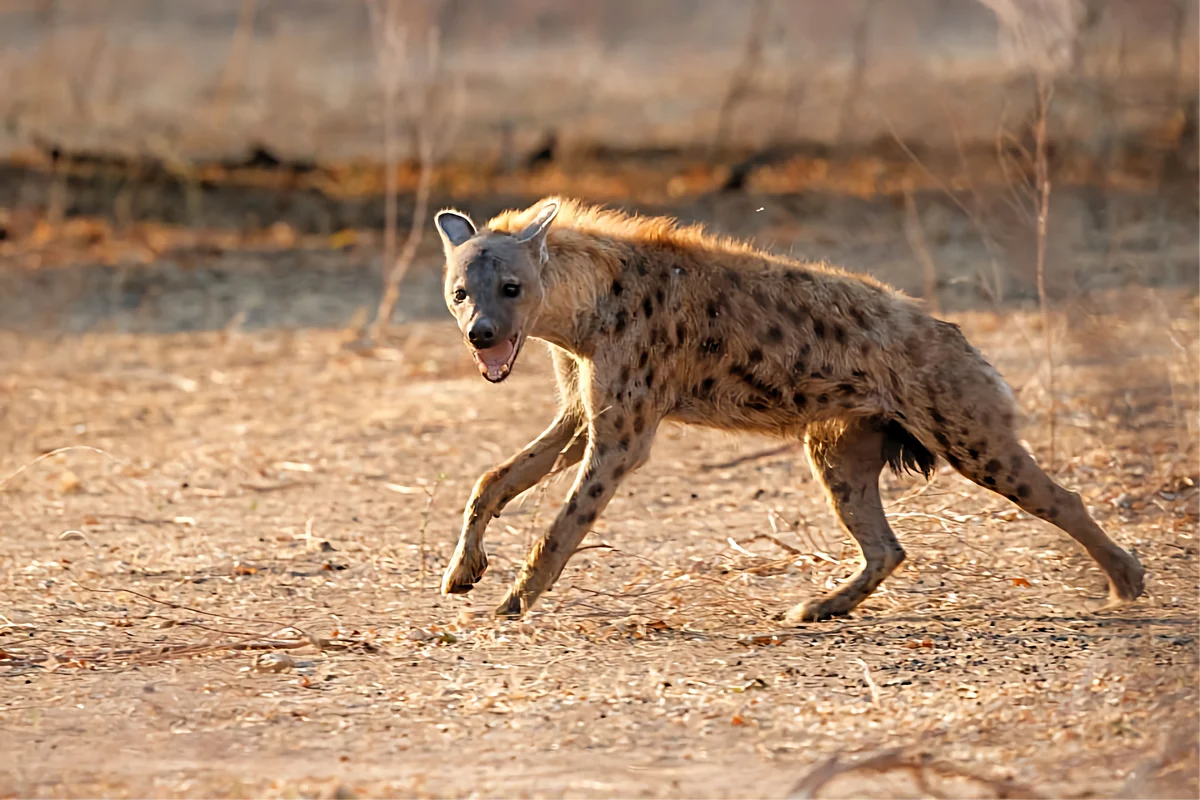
column 559, row 446
column 612, row 453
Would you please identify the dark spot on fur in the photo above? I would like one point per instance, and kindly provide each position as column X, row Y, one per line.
column 650, row 377
column 596, row 490
column 647, row 307
column 842, row 490
column 754, row 382
column 620, row 322
column 941, row 439
column 935, row 416
column 953, row 461
column 816, row 373
column 1011, row 497
column 1023, row 490
column 639, row 424
column 618, row 470
column 847, row 388
column 601, row 448
column 619, row 421
column 858, row 373
column 1017, row 462
column 992, row 466
column 655, row 335
column 710, row 347
column 819, row 328
column 735, row 279
column 706, row 387
column 989, row 480
column 774, row 334
column 758, row 404
column 643, row 357
column 680, row 332
column 1053, row 512
column 822, row 399
column 617, row 288
column 623, row 443
column 860, row 319
column 588, row 518
column 625, row 374
column 799, row 400
column 755, row 356
column 973, row 453
column 571, row 506
column 799, row 366
column 839, row 333
column 661, row 297
column 714, row 310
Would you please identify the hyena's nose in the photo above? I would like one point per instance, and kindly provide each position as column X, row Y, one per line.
column 482, row 334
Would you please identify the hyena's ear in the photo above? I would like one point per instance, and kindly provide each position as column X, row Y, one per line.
column 535, row 232
column 454, row 227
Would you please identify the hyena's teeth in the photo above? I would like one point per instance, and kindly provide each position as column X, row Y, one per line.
column 504, row 369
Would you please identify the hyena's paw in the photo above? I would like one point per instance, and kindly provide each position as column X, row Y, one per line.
column 1127, row 580
column 818, row 609
column 465, row 569
column 510, row 608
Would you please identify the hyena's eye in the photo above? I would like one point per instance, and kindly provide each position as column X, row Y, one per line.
column 460, row 295
column 511, row 290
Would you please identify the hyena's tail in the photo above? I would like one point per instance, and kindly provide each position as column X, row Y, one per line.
column 904, row 453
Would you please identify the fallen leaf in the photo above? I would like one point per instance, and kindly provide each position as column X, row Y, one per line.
column 274, row 662
column 1020, row 582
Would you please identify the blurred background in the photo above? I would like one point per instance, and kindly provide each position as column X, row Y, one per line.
column 234, row 407
column 171, row 165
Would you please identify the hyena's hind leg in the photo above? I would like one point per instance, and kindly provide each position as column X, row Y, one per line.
column 847, row 462
column 998, row 462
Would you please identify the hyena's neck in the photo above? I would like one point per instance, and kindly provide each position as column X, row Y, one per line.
column 578, row 272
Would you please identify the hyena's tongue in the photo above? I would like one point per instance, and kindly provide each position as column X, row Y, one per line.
column 494, row 362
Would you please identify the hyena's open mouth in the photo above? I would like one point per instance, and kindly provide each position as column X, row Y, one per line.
column 495, row 363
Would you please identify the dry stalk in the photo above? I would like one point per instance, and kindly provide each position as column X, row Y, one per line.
column 919, row 765
column 235, row 62
column 1045, row 91
column 390, row 37
column 870, row 681
column 915, row 234
column 44, row 456
column 768, row 453
column 430, row 491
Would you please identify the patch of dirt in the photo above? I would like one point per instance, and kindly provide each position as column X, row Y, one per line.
column 236, row 597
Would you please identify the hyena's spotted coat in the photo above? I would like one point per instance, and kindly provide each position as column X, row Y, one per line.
column 649, row 321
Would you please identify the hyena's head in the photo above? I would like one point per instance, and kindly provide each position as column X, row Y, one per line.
column 493, row 285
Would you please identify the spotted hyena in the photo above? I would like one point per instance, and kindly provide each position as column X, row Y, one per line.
column 648, row 321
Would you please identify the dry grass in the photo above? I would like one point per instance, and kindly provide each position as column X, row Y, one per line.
column 229, row 601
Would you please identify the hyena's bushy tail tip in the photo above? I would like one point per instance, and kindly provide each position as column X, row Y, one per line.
column 904, row 453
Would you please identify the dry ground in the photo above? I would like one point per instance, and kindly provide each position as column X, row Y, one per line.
column 274, row 493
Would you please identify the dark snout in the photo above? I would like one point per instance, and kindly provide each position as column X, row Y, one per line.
column 482, row 333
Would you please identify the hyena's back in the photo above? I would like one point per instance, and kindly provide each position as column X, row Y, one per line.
column 740, row 340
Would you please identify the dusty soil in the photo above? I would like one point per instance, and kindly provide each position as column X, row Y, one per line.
column 261, row 494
